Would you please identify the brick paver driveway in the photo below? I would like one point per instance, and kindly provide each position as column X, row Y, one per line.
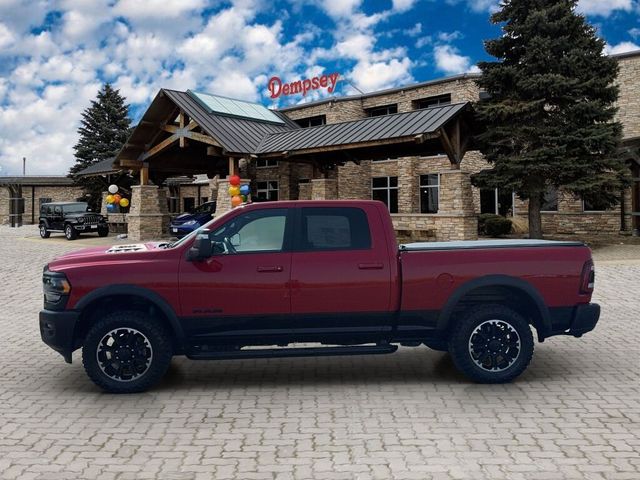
column 574, row 414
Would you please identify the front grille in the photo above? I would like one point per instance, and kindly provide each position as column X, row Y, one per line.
column 92, row 219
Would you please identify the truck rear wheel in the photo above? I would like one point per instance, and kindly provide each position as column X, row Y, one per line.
column 126, row 352
column 491, row 344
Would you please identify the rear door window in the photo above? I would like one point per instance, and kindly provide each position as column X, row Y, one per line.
column 333, row 228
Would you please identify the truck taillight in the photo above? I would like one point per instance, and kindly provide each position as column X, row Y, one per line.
column 588, row 277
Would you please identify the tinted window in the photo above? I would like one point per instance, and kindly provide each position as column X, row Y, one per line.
column 334, row 229
column 257, row 231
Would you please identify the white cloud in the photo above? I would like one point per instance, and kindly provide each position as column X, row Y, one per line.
column 370, row 77
column 403, row 5
column 622, row 47
column 450, row 61
column 144, row 9
column 478, row 6
column 339, row 8
column 6, row 36
column 604, row 8
column 415, row 30
column 634, row 32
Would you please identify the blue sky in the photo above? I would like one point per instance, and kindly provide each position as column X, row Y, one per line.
column 55, row 54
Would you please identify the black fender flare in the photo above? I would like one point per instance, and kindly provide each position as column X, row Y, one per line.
column 543, row 329
column 136, row 291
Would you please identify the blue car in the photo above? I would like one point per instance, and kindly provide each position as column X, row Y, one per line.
column 187, row 222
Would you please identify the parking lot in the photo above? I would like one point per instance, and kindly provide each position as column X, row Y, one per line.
column 574, row 414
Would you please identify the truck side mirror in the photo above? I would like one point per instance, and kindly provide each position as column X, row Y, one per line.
column 201, row 248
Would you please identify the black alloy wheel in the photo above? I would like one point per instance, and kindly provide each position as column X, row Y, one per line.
column 491, row 344
column 126, row 352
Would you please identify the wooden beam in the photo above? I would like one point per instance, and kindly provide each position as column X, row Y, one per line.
column 191, row 125
column 144, row 174
column 448, row 146
column 181, row 121
column 159, row 147
column 126, row 163
column 200, row 137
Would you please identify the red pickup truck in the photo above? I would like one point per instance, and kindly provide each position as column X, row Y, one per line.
column 272, row 275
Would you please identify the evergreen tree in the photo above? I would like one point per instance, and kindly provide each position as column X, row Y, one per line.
column 104, row 129
column 549, row 118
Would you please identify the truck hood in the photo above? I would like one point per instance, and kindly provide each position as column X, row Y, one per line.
column 116, row 253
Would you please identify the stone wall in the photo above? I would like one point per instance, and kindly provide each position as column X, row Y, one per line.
column 629, row 101
column 148, row 217
column 62, row 193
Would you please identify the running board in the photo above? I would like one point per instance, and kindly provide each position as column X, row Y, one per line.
column 292, row 352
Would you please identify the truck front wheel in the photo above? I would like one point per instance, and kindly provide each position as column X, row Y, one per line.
column 126, row 352
column 491, row 344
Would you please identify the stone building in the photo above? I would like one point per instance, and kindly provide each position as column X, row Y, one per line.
column 34, row 191
column 359, row 147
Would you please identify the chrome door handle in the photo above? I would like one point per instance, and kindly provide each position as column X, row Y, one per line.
column 270, row 269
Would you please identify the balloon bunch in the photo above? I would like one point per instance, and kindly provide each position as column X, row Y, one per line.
column 114, row 199
column 239, row 193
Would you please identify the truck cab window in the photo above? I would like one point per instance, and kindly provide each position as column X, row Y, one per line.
column 258, row 231
column 334, row 229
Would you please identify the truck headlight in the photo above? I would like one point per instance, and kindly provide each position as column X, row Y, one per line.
column 56, row 289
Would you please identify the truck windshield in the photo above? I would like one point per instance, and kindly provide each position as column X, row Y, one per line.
column 79, row 207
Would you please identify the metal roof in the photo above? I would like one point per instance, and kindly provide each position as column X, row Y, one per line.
column 235, row 134
column 53, row 180
column 103, row 167
column 384, row 127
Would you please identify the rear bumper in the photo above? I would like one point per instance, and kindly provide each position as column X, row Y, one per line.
column 585, row 319
column 56, row 330
column 575, row 321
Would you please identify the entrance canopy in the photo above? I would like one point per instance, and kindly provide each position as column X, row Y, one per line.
column 185, row 133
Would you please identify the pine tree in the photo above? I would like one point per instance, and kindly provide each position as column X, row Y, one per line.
column 104, row 129
column 548, row 120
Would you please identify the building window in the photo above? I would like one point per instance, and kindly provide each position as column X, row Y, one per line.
column 429, row 193
column 267, row 191
column 496, row 201
column 385, row 189
column 45, row 200
column 266, row 162
column 434, row 101
column 189, row 204
column 550, row 200
column 204, row 200
column 382, row 110
column 312, row 121
column 172, row 204
column 593, row 203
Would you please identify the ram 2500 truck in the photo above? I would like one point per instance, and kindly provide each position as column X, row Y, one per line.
column 272, row 276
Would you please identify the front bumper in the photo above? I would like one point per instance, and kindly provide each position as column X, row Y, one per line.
column 56, row 330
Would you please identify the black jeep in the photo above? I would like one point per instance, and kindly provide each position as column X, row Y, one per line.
column 71, row 218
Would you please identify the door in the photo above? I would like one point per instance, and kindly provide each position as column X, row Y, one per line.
column 242, row 290
column 340, row 276
column 58, row 218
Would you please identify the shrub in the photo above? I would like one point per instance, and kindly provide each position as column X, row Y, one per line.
column 482, row 222
column 497, row 226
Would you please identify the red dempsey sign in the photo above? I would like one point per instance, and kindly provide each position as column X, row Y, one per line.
column 277, row 88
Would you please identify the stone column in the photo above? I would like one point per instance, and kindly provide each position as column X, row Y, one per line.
column 103, row 205
column 148, row 217
column 407, row 186
column 324, row 189
column 223, row 199
column 456, row 205
column 304, row 191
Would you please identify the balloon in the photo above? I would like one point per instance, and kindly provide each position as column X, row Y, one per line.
column 244, row 190
column 124, row 202
column 117, row 198
column 113, row 189
column 109, row 199
column 234, row 180
column 244, row 198
column 233, row 191
column 110, row 207
column 236, row 200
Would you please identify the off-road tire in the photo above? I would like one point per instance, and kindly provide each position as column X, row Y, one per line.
column 70, row 232
column 44, row 233
column 103, row 231
column 460, row 343
column 157, row 337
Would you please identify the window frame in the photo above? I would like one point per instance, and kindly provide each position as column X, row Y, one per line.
column 267, row 190
column 370, row 111
column 299, row 234
column 267, row 161
column 584, row 207
column 543, row 210
column 421, row 186
column 416, row 104
column 322, row 117
column 388, row 189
